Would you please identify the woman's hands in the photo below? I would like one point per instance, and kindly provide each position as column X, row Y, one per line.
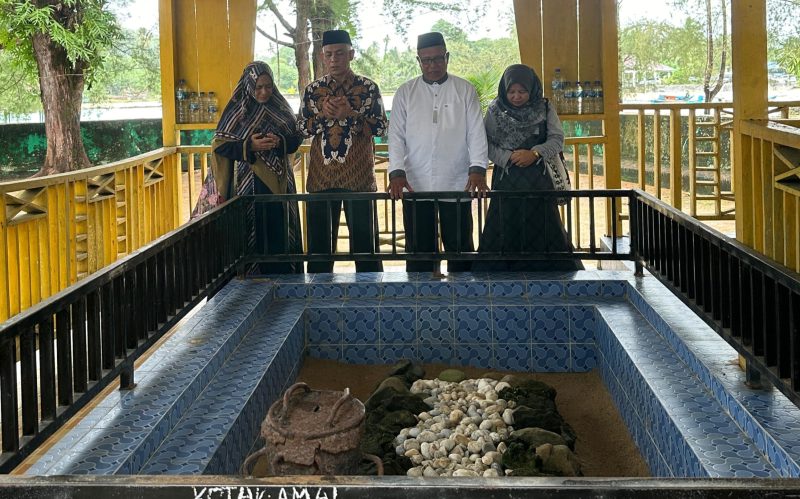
column 524, row 157
column 264, row 142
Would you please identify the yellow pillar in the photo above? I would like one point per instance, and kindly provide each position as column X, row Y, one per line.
column 749, row 68
column 611, row 95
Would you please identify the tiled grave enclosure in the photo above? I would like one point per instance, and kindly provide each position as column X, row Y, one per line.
column 201, row 396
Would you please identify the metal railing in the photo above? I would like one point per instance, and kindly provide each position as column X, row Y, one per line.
column 749, row 300
column 684, row 153
column 389, row 245
column 56, row 356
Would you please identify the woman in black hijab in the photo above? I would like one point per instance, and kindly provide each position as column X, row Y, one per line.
column 522, row 130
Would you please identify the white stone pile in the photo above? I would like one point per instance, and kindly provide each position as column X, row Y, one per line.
column 465, row 432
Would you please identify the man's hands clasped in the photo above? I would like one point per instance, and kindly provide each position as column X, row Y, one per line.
column 336, row 107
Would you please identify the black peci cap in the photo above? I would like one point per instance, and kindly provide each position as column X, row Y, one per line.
column 433, row 39
column 335, row 36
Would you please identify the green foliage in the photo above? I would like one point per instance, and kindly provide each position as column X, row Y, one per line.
column 485, row 84
column 25, row 145
column 647, row 44
column 131, row 71
column 787, row 54
column 19, row 89
column 481, row 60
column 83, row 28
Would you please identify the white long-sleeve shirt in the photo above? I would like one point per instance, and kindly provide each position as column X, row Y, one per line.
column 436, row 134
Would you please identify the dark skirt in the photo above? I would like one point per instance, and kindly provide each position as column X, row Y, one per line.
column 524, row 225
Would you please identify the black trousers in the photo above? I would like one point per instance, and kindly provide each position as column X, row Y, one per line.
column 272, row 233
column 323, row 223
column 419, row 219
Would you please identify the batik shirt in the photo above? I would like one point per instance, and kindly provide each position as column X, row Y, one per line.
column 342, row 152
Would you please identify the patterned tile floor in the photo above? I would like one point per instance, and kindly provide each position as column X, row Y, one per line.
column 201, row 395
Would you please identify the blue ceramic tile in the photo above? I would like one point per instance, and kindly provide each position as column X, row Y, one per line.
column 361, row 354
column 291, row 290
column 613, row 288
column 583, row 357
column 582, row 324
column 474, row 355
column 435, row 289
column 510, row 324
column 442, row 353
column 363, row 290
column 473, row 324
column 397, row 324
column 326, row 291
column 470, row 289
column 550, row 358
column 391, row 353
column 323, row 326
column 360, row 325
column 399, row 290
column 512, row 357
column 507, row 289
column 583, row 288
column 545, row 289
column 550, row 324
column 435, row 324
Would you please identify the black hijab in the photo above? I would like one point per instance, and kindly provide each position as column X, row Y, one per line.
column 511, row 127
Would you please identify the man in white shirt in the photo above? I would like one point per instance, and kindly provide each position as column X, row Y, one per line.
column 437, row 142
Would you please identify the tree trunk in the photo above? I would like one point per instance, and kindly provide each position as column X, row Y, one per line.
column 61, row 86
column 321, row 21
column 301, row 44
column 723, row 56
column 709, row 51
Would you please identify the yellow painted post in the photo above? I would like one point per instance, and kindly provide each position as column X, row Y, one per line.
column 657, row 151
column 45, row 288
column 749, row 58
column 12, row 240
column 790, row 244
column 675, row 159
column 54, row 238
column 590, row 40
column 641, row 157
column 611, row 129
column 559, row 22
column 23, row 250
column 757, row 193
column 576, row 208
column 33, row 257
column 166, row 33
column 796, row 243
column 4, row 267
column 692, row 132
column 769, row 198
column 528, row 16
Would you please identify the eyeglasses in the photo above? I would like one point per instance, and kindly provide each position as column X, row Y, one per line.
column 429, row 61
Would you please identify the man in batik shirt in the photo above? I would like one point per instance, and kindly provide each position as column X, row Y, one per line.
column 342, row 112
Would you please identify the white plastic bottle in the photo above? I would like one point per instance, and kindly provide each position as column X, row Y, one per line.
column 557, row 87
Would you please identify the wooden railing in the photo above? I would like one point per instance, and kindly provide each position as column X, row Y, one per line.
column 771, row 190
column 59, row 229
column 684, row 154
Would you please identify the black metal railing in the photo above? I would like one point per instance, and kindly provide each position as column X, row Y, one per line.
column 749, row 300
column 75, row 343
column 392, row 232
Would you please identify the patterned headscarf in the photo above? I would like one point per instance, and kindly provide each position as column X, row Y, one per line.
column 244, row 115
column 515, row 127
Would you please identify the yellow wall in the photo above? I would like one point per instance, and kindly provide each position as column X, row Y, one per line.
column 207, row 43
